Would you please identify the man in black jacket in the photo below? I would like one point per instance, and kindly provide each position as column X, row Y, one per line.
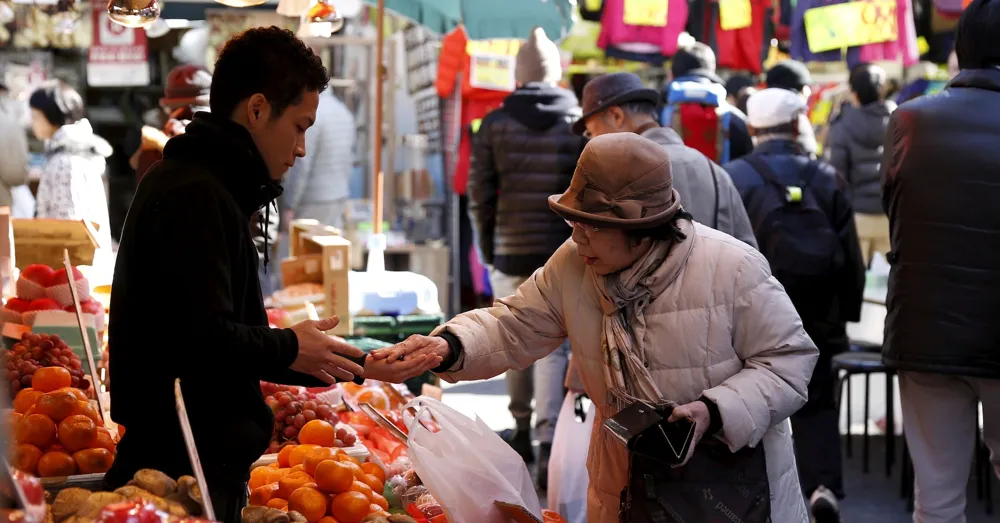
column 523, row 152
column 186, row 296
column 940, row 189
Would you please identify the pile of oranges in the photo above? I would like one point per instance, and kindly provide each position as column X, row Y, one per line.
column 57, row 432
column 323, row 484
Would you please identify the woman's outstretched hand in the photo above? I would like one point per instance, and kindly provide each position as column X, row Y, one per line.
column 697, row 412
column 411, row 358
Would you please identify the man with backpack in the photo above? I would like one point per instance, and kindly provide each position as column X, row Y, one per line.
column 794, row 76
column 802, row 216
column 697, row 109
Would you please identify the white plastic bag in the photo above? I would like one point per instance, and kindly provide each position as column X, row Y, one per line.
column 568, row 476
column 466, row 466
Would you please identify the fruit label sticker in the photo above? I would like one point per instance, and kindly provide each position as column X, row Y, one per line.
column 493, row 72
column 645, row 12
column 735, row 14
column 851, row 24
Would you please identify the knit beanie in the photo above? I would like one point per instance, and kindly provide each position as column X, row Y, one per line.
column 538, row 60
column 187, row 85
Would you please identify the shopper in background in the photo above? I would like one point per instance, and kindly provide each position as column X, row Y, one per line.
column 522, row 152
column 801, row 211
column 940, row 190
column 656, row 307
column 317, row 187
column 735, row 85
column 13, row 147
column 619, row 102
column 697, row 108
column 187, row 250
column 72, row 183
column 854, row 148
column 794, row 76
column 743, row 97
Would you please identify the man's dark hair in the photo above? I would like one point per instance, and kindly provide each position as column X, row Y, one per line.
column 697, row 57
column 975, row 38
column 59, row 102
column 667, row 232
column 265, row 60
column 868, row 83
column 641, row 107
column 736, row 83
column 743, row 97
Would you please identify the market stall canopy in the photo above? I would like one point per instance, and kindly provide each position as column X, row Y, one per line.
column 484, row 19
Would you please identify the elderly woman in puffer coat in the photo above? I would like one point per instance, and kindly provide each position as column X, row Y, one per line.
column 692, row 315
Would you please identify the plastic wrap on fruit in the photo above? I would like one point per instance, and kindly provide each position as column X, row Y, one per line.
column 132, row 512
column 401, row 467
column 414, row 496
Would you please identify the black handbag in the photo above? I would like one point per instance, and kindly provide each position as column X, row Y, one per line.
column 715, row 486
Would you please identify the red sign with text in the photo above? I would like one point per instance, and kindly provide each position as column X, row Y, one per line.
column 119, row 56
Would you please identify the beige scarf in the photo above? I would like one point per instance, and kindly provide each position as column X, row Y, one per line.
column 624, row 297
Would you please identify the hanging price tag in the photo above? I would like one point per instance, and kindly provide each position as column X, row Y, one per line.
column 851, row 24
column 735, row 14
column 494, row 72
column 645, row 12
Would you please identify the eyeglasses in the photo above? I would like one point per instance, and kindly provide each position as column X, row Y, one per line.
column 589, row 229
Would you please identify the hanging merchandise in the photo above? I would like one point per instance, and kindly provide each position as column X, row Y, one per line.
column 742, row 47
column 735, row 14
column 643, row 26
column 850, row 24
column 652, row 13
column 590, row 10
column 800, row 45
column 581, row 41
column 421, row 58
column 133, row 13
column 903, row 46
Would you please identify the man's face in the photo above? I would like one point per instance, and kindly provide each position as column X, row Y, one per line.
column 610, row 120
column 282, row 139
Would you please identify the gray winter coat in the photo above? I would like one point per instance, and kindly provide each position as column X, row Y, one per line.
column 854, row 148
column 13, row 149
column 701, row 183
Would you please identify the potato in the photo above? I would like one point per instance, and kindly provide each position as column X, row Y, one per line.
column 154, row 482
column 68, row 502
column 264, row 515
column 297, row 517
column 96, row 502
column 177, row 509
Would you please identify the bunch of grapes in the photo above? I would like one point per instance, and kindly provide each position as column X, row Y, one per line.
column 35, row 351
column 293, row 408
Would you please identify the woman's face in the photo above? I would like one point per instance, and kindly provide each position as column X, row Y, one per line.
column 607, row 251
column 41, row 126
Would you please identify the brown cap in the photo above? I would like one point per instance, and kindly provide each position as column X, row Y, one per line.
column 622, row 181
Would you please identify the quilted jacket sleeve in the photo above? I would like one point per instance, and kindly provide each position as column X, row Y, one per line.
column 482, row 190
column 778, row 358
column 517, row 330
column 57, row 197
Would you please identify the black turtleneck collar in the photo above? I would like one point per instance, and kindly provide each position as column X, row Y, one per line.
column 228, row 152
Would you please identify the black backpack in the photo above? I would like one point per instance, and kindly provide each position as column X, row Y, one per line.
column 793, row 231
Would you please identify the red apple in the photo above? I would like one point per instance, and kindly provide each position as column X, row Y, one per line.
column 89, row 307
column 17, row 305
column 60, row 277
column 44, row 304
column 38, row 273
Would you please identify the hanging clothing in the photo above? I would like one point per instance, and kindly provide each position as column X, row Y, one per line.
column 905, row 44
column 741, row 49
column 800, row 44
column 615, row 32
column 656, row 59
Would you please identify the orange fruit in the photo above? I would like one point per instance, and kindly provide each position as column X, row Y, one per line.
column 56, row 464
column 263, row 494
column 333, row 477
column 315, row 457
column 104, row 440
column 25, row 457
column 284, row 454
column 26, row 399
column 375, row 509
column 13, row 418
column 378, row 499
column 57, row 404
column 344, row 457
column 48, row 379
column 292, row 482
column 93, row 461
column 86, row 408
column 377, row 398
column 258, row 478
column 318, row 432
column 37, row 430
column 328, row 519
column 358, row 486
column 273, row 475
column 309, row 502
column 299, row 468
column 350, row 507
column 274, row 465
column 374, row 470
column 355, row 469
column 298, row 455
column 373, row 482
column 277, row 503
column 77, row 432
column 79, row 394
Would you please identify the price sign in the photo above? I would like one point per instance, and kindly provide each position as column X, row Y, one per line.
column 851, row 24
column 735, row 14
column 490, row 71
column 645, row 12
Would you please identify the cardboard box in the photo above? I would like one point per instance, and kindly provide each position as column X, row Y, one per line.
column 42, row 240
column 324, row 260
column 298, row 230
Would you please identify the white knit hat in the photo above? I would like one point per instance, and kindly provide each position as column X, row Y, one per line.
column 773, row 107
column 538, row 60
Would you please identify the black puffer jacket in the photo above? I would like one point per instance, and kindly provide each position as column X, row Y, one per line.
column 522, row 153
column 854, row 148
column 941, row 170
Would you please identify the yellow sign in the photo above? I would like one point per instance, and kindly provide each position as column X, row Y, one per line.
column 646, row 12
column 592, row 5
column 851, row 24
column 493, row 72
column 497, row 46
column 735, row 14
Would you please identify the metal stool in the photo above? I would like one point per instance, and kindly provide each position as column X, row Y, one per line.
column 867, row 363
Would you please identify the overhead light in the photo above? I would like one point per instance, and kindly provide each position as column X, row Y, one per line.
column 133, row 13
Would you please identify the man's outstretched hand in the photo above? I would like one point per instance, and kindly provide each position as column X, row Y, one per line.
column 411, row 358
column 322, row 356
